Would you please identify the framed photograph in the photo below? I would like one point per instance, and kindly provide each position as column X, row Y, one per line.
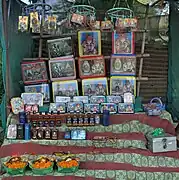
column 60, row 47
column 91, row 67
column 89, row 43
column 34, row 72
column 39, row 88
column 123, row 65
column 62, row 69
column 122, row 84
column 125, row 108
column 91, row 108
column 32, row 98
column 65, row 88
column 123, row 43
column 78, row 19
column 95, row 87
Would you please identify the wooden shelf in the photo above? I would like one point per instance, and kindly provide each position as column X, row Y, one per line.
column 74, row 34
column 105, row 57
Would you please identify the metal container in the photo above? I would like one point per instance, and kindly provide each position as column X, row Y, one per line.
column 162, row 143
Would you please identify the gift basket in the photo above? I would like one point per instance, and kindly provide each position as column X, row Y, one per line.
column 42, row 166
column 69, row 165
column 15, row 165
column 155, row 107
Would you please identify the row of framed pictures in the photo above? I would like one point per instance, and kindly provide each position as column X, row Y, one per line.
column 90, row 87
column 88, row 67
column 89, row 44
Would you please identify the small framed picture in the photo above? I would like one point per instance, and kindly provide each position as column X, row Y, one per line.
column 125, row 108
column 95, row 87
column 31, row 108
column 39, row 88
column 91, row 108
column 65, row 88
column 34, row 72
column 97, row 99
column 123, row 43
column 57, row 107
column 62, row 99
column 114, row 99
column 111, row 107
column 89, row 43
column 62, row 69
column 23, row 23
column 106, row 25
column 60, row 47
column 91, row 67
column 123, row 65
column 122, row 84
column 17, row 105
column 32, row 98
column 78, row 19
column 83, row 99
column 75, row 107
column 95, row 25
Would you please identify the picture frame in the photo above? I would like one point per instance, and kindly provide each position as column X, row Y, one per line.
column 17, row 105
column 60, row 47
column 91, row 108
column 126, row 23
column 89, row 43
column 106, row 25
column 39, row 88
column 125, row 108
column 83, row 99
column 122, row 84
column 95, row 87
column 57, row 107
column 65, row 88
column 62, row 99
column 91, row 67
column 34, row 72
column 123, row 65
column 123, row 43
column 31, row 108
column 97, row 99
column 32, row 98
column 62, row 69
column 75, row 107
column 114, row 99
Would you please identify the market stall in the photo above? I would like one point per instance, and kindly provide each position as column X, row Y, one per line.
column 79, row 114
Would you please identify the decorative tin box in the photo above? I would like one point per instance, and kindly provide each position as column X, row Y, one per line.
column 91, row 67
column 97, row 99
column 123, row 43
column 125, row 108
column 40, row 88
column 60, row 47
column 114, row 99
column 34, row 72
column 62, row 69
column 122, row 84
column 91, row 108
column 76, row 107
column 95, row 87
column 65, row 88
column 123, row 65
column 111, row 107
column 89, row 43
column 83, row 99
column 32, row 98
column 161, row 143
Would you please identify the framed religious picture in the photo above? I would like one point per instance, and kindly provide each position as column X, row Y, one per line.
column 122, row 84
column 60, row 47
column 123, row 43
column 39, row 88
column 34, row 72
column 123, row 65
column 62, row 69
column 17, row 105
column 89, row 43
column 32, row 98
column 65, row 88
column 91, row 67
column 95, row 87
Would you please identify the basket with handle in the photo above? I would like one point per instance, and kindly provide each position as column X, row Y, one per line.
column 155, row 107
